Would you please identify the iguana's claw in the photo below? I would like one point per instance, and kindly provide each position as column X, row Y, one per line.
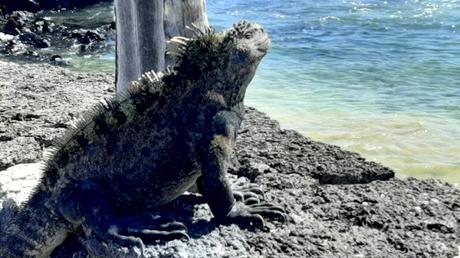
column 246, row 192
column 251, row 215
column 246, row 196
column 146, row 228
column 268, row 210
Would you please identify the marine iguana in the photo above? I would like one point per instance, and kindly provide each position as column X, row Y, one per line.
column 142, row 150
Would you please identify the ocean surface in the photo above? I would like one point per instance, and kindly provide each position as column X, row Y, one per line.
column 381, row 78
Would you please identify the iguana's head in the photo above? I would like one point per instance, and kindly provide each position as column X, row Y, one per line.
column 226, row 61
column 249, row 43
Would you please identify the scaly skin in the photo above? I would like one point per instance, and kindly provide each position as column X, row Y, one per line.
column 142, row 150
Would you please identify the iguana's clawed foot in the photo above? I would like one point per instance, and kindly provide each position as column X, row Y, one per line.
column 251, row 215
column 145, row 228
column 244, row 191
column 249, row 208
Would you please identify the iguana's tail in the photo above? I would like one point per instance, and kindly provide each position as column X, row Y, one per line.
column 33, row 232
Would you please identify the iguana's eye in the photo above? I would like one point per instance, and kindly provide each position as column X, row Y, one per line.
column 248, row 35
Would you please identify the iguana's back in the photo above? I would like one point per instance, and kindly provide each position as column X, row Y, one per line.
column 141, row 148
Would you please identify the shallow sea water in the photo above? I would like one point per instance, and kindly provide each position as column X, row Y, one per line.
column 381, row 78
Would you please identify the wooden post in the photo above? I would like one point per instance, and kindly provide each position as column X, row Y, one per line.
column 143, row 29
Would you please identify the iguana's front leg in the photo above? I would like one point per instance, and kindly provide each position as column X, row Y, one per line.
column 215, row 186
column 89, row 207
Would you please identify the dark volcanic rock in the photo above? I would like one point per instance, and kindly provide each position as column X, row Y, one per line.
column 17, row 21
column 86, row 36
column 41, row 25
column 23, row 5
column 21, row 21
column 57, row 60
column 24, row 34
column 12, row 27
column 2, row 10
column 68, row 4
column 25, row 27
column 272, row 149
column 87, row 40
column 34, row 39
column 34, row 6
column 339, row 204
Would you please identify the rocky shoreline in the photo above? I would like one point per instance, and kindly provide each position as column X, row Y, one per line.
column 339, row 204
column 37, row 37
column 7, row 6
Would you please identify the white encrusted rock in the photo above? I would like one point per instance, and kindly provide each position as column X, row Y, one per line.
column 18, row 181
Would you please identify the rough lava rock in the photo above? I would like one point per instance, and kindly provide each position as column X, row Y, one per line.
column 37, row 104
column 270, row 149
column 37, row 5
column 17, row 22
column 339, row 204
column 68, row 4
column 24, row 34
column 24, row 5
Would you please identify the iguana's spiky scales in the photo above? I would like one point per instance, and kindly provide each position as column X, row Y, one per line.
column 142, row 150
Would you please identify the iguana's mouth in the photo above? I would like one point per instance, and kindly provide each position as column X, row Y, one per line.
column 263, row 46
column 262, row 49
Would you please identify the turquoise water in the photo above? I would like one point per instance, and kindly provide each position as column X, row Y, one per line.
column 378, row 77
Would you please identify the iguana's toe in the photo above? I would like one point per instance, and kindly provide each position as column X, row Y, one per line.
column 248, row 221
column 268, row 210
column 152, row 236
column 146, row 228
column 246, row 197
column 245, row 191
column 124, row 240
column 251, row 215
column 250, row 188
column 154, row 221
column 173, row 226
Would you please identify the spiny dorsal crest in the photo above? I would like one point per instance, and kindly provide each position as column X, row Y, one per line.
column 147, row 78
column 200, row 31
column 178, row 46
column 241, row 27
column 151, row 82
